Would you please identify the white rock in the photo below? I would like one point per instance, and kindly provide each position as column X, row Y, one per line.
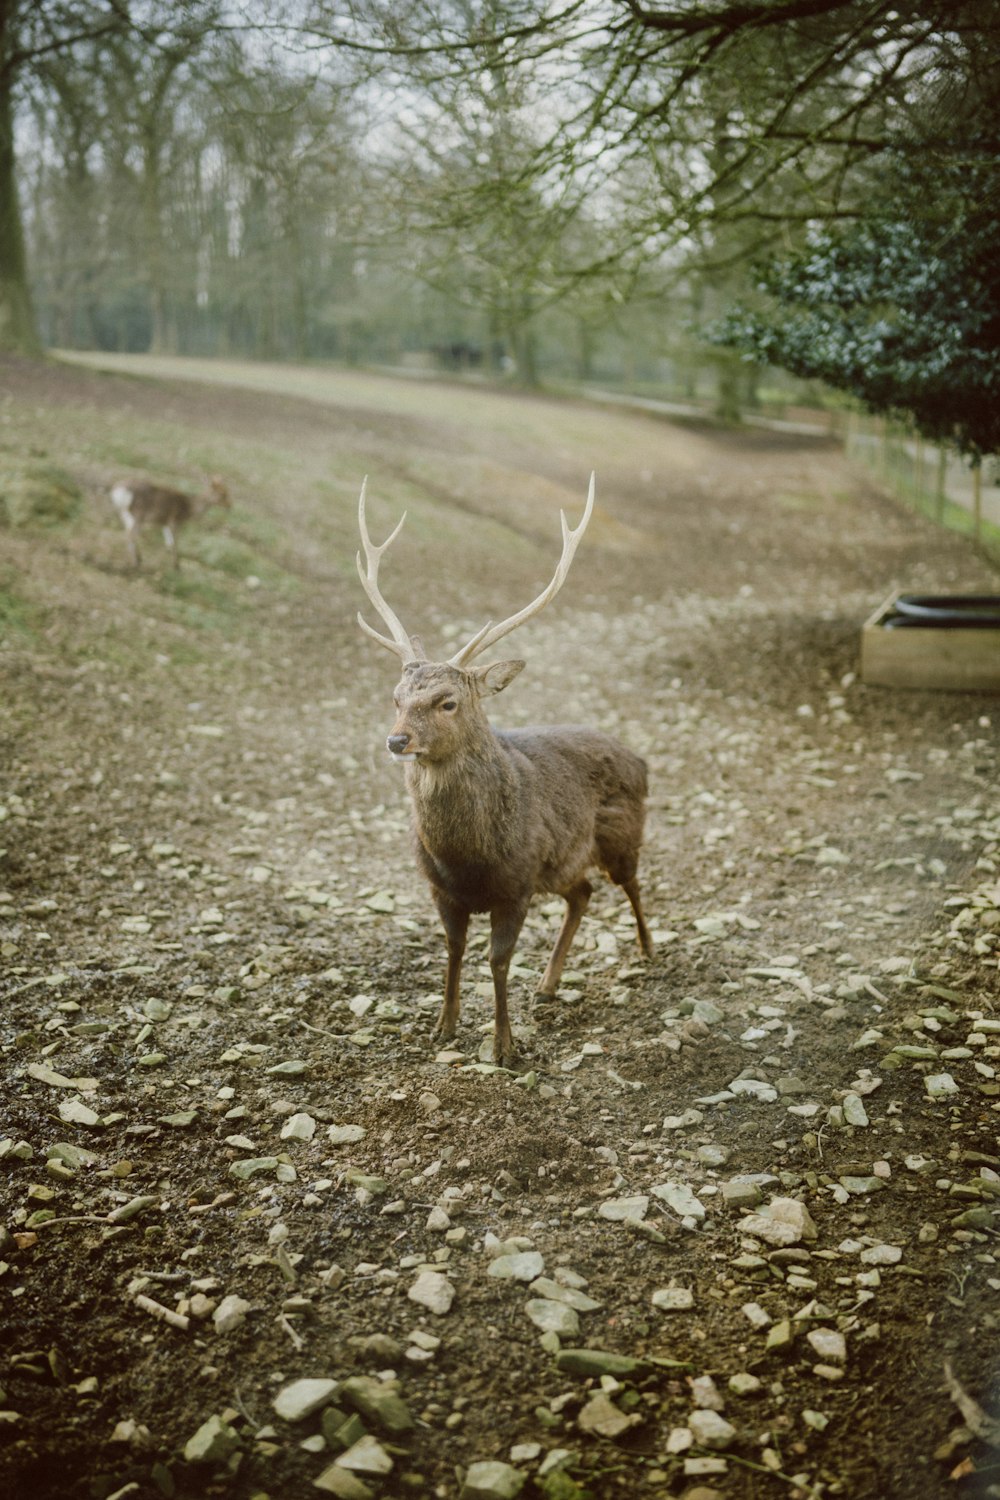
column 524, row 1265
column 75, row 1112
column 558, row 1292
column 433, row 1291
column 231, row 1313
column 366, row 1456
column 625, row 1210
column 756, row 1315
column 679, row 1197
column 604, row 1419
column 710, row 1430
column 854, row 1111
column 299, row 1127
column 829, row 1345
column 674, row 1299
column 300, row 1399
column 492, row 1480
column 553, row 1317
column 881, row 1255
column 755, row 1087
column 783, row 1221
column 706, row 1394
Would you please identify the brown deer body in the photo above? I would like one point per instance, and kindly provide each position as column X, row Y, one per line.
column 140, row 503
column 500, row 816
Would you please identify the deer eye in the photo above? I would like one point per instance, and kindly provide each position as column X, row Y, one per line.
column 449, row 706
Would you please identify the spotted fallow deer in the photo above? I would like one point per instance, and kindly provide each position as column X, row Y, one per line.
column 500, row 815
column 140, row 503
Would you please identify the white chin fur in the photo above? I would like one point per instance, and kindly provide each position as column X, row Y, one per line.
column 409, row 755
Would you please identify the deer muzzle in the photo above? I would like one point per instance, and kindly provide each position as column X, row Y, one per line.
column 398, row 747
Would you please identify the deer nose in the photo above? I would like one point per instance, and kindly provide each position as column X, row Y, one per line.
column 397, row 743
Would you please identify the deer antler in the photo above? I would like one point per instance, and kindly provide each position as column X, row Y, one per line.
column 401, row 644
column 490, row 633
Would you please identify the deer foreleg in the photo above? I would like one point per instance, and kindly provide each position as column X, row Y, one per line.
column 456, row 927
column 132, row 541
column 506, row 926
column 577, row 899
column 171, row 541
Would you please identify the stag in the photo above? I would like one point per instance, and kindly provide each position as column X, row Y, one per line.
column 502, row 815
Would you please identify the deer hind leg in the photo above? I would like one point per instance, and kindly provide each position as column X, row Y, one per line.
column 455, row 922
column 631, row 889
column 620, row 868
column 577, row 898
column 506, row 923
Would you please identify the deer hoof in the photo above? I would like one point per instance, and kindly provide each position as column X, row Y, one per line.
column 505, row 1056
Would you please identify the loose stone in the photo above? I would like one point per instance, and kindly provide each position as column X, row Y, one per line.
column 231, row 1313
column 674, row 1299
column 299, row 1400
column 492, row 1480
column 854, row 1111
column 214, row 1441
column 524, row 1265
column 620, row 1210
column 741, row 1192
column 433, row 1291
column 553, row 1317
column 378, row 1403
column 602, row 1417
column 829, row 1345
column 366, row 1456
column 343, row 1484
column 679, row 1197
column 784, row 1221
column 710, row 1430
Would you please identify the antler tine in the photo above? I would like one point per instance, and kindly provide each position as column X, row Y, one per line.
column 490, row 634
column 400, row 644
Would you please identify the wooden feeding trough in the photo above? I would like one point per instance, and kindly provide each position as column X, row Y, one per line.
column 951, row 642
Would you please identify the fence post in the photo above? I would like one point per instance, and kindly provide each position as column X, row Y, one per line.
column 977, row 500
column 919, row 469
column 939, row 490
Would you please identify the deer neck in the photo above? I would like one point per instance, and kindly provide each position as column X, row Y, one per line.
column 465, row 804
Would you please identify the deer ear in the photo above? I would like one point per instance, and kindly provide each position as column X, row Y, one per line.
column 494, row 678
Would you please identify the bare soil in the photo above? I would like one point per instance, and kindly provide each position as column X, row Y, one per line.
column 211, row 923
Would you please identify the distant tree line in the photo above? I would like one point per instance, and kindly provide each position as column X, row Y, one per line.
column 507, row 187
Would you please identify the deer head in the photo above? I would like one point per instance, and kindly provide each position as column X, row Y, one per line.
column 439, row 703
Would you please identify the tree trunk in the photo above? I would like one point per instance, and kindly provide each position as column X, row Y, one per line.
column 18, row 329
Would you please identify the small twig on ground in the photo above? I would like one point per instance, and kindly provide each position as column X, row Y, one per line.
column 296, row 1338
column 794, row 1480
column 319, row 1030
column 164, row 1314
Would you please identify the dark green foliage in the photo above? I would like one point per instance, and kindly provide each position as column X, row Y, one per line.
column 902, row 310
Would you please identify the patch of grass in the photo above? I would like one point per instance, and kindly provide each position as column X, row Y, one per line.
column 223, row 553
column 199, row 599
column 128, row 457
column 20, row 619
column 34, row 493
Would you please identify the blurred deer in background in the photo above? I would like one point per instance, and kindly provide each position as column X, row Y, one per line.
column 500, row 815
column 140, row 503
